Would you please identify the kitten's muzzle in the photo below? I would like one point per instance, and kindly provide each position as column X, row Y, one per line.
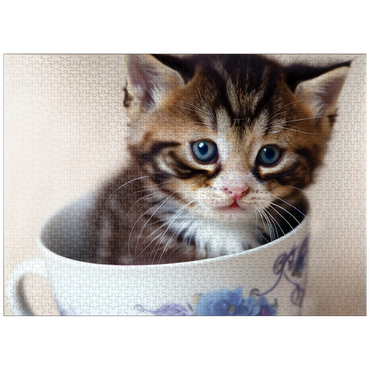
column 236, row 192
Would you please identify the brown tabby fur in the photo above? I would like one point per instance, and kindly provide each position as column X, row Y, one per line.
column 164, row 206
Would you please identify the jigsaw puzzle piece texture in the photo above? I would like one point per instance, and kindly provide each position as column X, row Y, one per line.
column 65, row 131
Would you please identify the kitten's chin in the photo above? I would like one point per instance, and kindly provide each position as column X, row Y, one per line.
column 231, row 207
column 232, row 213
column 227, row 212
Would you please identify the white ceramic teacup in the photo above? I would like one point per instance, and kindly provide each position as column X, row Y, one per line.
column 268, row 280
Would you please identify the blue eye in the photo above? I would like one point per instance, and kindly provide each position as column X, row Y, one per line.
column 269, row 155
column 204, row 151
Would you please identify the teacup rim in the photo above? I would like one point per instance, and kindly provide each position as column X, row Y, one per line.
column 90, row 196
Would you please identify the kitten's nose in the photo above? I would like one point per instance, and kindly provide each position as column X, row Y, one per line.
column 236, row 192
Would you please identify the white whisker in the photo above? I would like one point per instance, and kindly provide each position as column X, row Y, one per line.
column 160, row 227
column 299, row 119
column 303, row 132
column 275, row 223
column 204, row 103
column 191, row 235
column 202, row 113
column 294, row 187
column 161, row 204
column 282, row 216
column 156, row 222
column 144, row 197
column 151, row 240
column 285, row 211
column 290, row 205
column 174, row 218
column 180, row 106
column 256, row 225
column 286, row 137
column 133, row 227
column 145, row 188
column 167, row 246
column 285, row 106
column 162, row 234
column 270, row 228
column 199, row 109
column 128, row 182
column 263, row 221
column 147, row 246
column 284, row 219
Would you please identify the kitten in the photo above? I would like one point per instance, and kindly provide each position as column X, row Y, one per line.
column 221, row 147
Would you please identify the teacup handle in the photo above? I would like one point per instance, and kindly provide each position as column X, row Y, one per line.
column 15, row 291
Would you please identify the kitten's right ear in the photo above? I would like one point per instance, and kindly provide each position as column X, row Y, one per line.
column 149, row 82
column 319, row 87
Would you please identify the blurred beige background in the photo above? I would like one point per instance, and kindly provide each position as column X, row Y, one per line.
column 64, row 131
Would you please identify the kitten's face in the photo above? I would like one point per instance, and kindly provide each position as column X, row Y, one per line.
column 232, row 140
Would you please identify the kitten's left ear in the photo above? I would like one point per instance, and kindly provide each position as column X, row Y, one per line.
column 149, row 81
column 322, row 91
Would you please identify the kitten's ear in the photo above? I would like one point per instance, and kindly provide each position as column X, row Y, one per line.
column 149, row 81
column 321, row 91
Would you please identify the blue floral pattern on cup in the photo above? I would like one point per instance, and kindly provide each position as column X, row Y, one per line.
column 219, row 303
column 226, row 302
column 231, row 302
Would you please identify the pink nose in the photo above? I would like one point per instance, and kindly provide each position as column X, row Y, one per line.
column 236, row 192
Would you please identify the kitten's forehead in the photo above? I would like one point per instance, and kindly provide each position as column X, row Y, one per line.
column 241, row 102
column 235, row 137
column 245, row 87
column 223, row 132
